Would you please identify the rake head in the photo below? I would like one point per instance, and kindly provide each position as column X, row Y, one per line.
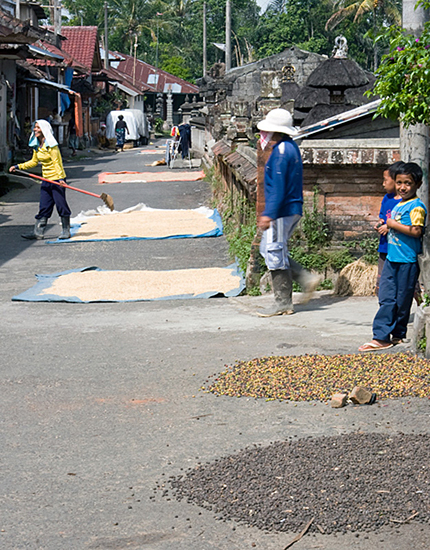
column 108, row 200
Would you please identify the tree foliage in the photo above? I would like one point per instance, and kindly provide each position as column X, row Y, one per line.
column 302, row 23
column 170, row 32
column 379, row 10
column 403, row 78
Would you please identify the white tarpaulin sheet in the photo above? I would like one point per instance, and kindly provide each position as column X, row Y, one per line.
column 136, row 124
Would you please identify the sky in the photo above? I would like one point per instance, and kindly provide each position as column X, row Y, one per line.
column 263, row 4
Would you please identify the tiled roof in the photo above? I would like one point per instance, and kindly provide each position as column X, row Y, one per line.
column 82, row 44
column 68, row 60
column 221, row 148
column 34, row 71
column 15, row 31
column 144, row 72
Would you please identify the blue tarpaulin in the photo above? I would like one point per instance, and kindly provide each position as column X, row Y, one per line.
column 79, row 222
column 40, row 291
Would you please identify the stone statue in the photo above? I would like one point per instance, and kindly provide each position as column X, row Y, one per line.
column 340, row 50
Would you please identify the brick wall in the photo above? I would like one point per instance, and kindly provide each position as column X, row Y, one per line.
column 350, row 194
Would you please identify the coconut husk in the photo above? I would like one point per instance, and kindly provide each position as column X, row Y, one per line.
column 356, row 279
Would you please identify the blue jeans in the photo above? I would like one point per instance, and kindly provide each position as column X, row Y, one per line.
column 396, row 292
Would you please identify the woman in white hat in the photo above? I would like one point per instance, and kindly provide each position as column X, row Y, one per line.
column 283, row 192
column 47, row 153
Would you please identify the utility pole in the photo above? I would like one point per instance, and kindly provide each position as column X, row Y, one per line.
column 228, row 36
column 205, row 68
column 18, row 9
column 156, row 57
column 414, row 140
column 134, row 60
column 57, row 17
column 55, row 9
column 106, row 37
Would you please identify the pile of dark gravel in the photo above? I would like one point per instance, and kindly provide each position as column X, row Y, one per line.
column 353, row 482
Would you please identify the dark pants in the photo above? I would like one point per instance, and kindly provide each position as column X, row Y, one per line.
column 381, row 262
column 396, row 292
column 50, row 195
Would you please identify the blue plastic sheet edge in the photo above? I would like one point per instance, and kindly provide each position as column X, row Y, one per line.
column 217, row 232
column 44, row 282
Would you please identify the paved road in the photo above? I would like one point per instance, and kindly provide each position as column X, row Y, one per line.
column 100, row 402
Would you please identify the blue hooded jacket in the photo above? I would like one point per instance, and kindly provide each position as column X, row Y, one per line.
column 283, row 181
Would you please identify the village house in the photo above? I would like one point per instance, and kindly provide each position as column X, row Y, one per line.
column 16, row 36
column 164, row 92
column 69, row 71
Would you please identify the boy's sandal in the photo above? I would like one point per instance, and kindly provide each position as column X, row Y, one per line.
column 375, row 346
column 396, row 341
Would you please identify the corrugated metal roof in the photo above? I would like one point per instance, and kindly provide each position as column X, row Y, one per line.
column 49, row 84
column 45, row 53
column 342, row 118
column 114, row 75
column 146, row 74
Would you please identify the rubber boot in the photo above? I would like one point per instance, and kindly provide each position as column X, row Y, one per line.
column 307, row 280
column 282, row 280
column 38, row 230
column 65, row 234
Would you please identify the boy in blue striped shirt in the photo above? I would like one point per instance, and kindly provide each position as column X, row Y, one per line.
column 401, row 270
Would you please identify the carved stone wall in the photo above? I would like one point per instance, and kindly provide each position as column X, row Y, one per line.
column 238, row 99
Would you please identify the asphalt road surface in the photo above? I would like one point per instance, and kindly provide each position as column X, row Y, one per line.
column 101, row 402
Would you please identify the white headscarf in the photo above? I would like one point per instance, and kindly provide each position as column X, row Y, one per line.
column 47, row 132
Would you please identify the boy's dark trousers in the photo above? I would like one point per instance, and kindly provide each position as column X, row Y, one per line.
column 396, row 292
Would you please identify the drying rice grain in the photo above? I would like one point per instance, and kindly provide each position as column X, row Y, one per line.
column 145, row 224
column 92, row 286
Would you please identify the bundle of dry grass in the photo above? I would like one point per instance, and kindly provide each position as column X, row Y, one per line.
column 356, row 279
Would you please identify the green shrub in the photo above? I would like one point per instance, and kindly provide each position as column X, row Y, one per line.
column 240, row 236
column 338, row 259
column 314, row 225
column 158, row 124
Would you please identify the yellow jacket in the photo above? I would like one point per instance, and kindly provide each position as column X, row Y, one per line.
column 51, row 161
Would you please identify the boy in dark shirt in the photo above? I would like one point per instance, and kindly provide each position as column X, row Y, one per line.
column 388, row 203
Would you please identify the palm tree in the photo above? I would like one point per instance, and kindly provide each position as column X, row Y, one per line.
column 277, row 6
column 381, row 11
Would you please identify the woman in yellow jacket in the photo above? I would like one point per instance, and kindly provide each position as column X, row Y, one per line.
column 47, row 153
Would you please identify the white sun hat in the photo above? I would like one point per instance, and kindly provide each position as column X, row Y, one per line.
column 278, row 120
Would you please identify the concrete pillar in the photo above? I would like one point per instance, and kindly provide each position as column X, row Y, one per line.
column 169, row 115
column 227, row 36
